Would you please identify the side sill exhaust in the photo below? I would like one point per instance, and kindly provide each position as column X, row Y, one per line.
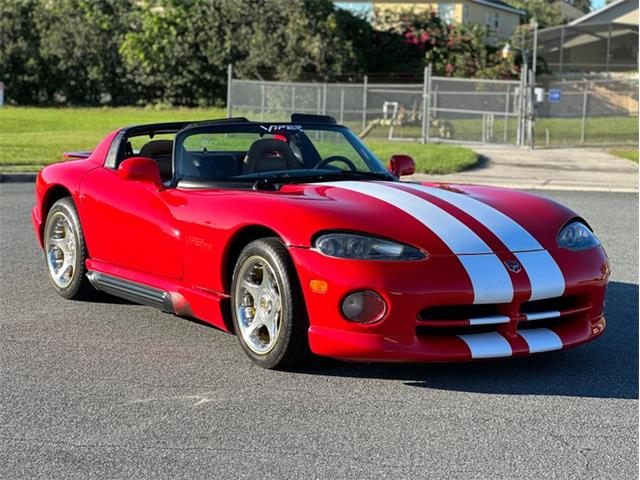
column 133, row 291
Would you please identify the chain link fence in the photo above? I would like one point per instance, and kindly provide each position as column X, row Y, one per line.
column 588, row 112
column 444, row 109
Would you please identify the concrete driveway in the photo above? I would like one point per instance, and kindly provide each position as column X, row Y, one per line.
column 554, row 169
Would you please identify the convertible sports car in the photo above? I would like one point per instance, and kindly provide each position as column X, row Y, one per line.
column 298, row 239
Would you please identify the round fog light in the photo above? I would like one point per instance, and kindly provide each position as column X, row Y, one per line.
column 364, row 307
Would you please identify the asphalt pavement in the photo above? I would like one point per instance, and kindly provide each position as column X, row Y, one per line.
column 109, row 389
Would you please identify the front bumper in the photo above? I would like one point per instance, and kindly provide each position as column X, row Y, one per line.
column 371, row 347
column 410, row 287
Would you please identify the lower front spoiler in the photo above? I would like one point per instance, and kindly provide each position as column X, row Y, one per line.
column 369, row 347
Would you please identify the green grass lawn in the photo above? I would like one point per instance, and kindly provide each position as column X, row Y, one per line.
column 561, row 131
column 428, row 158
column 33, row 137
column 628, row 153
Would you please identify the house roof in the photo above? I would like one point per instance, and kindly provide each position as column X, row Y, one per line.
column 595, row 13
column 500, row 5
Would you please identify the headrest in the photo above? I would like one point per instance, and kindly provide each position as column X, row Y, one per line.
column 156, row 147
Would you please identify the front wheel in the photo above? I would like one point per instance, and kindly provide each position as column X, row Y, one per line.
column 268, row 309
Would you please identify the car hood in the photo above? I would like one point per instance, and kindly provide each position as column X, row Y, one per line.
column 440, row 218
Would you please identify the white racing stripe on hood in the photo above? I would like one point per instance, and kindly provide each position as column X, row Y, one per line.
column 544, row 274
column 490, row 280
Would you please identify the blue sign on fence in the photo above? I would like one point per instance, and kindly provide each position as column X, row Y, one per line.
column 554, row 96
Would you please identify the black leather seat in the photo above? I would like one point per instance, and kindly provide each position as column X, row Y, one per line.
column 162, row 152
column 268, row 154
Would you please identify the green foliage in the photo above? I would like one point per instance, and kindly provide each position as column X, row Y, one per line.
column 21, row 68
column 176, row 52
column 457, row 50
column 79, row 44
column 547, row 14
column 167, row 51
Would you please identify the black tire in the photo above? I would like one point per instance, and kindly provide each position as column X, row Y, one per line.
column 292, row 344
column 79, row 287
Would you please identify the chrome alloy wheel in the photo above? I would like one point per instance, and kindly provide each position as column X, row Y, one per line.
column 60, row 244
column 258, row 304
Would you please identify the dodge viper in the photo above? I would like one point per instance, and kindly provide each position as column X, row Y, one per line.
column 296, row 238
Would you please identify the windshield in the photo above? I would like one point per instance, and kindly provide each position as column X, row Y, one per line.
column 255, row 152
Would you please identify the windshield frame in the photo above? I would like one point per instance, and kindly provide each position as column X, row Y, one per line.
column 375, row 165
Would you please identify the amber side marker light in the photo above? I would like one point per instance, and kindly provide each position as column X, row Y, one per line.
column 318, row 286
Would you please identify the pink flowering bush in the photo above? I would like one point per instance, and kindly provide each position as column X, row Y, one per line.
column 454, row 50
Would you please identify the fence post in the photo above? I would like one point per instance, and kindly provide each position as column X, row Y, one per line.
column 530, row 110
column 609, row 46
column 229, row 90
column 426, row 85
column 484, row 128
column 584, row 113
column 433, row 104
column 520, row 108
column 324, row 99
column 561, row 47
column 364, row 103
column 534, row 60
column 293, row 99
column 506, row 114
column 262, row 100
column 342, row 105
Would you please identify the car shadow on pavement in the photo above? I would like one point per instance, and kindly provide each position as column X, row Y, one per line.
column 605, row 368
column 102, row 297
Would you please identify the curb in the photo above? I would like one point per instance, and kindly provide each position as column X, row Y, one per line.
column 18, row 177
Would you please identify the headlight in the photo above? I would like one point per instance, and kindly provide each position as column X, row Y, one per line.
column 362, row 247
column 577, row 236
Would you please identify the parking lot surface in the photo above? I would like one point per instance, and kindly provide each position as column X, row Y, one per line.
column 112, row 389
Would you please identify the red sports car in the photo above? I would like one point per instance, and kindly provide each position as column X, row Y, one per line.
column 298, row 239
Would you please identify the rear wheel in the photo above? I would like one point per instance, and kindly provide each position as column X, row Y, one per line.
column 269, row 313
column 65, row 251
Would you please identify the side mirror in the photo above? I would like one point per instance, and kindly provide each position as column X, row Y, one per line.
column 402, row 165
column 142, row 169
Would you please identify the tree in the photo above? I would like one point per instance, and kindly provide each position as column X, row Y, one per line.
column 178, row 51
column 80, row 40
column 21, row 67
column 543, row 12
column 62, row 51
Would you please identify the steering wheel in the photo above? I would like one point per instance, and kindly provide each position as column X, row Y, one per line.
column 336, row 158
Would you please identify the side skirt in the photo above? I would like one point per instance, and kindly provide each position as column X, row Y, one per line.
column 133, row 291
column 169, row 295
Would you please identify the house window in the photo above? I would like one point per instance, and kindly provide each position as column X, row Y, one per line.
column 446, row 12
column 493, row 20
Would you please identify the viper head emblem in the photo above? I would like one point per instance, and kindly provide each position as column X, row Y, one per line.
column 513, row 265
